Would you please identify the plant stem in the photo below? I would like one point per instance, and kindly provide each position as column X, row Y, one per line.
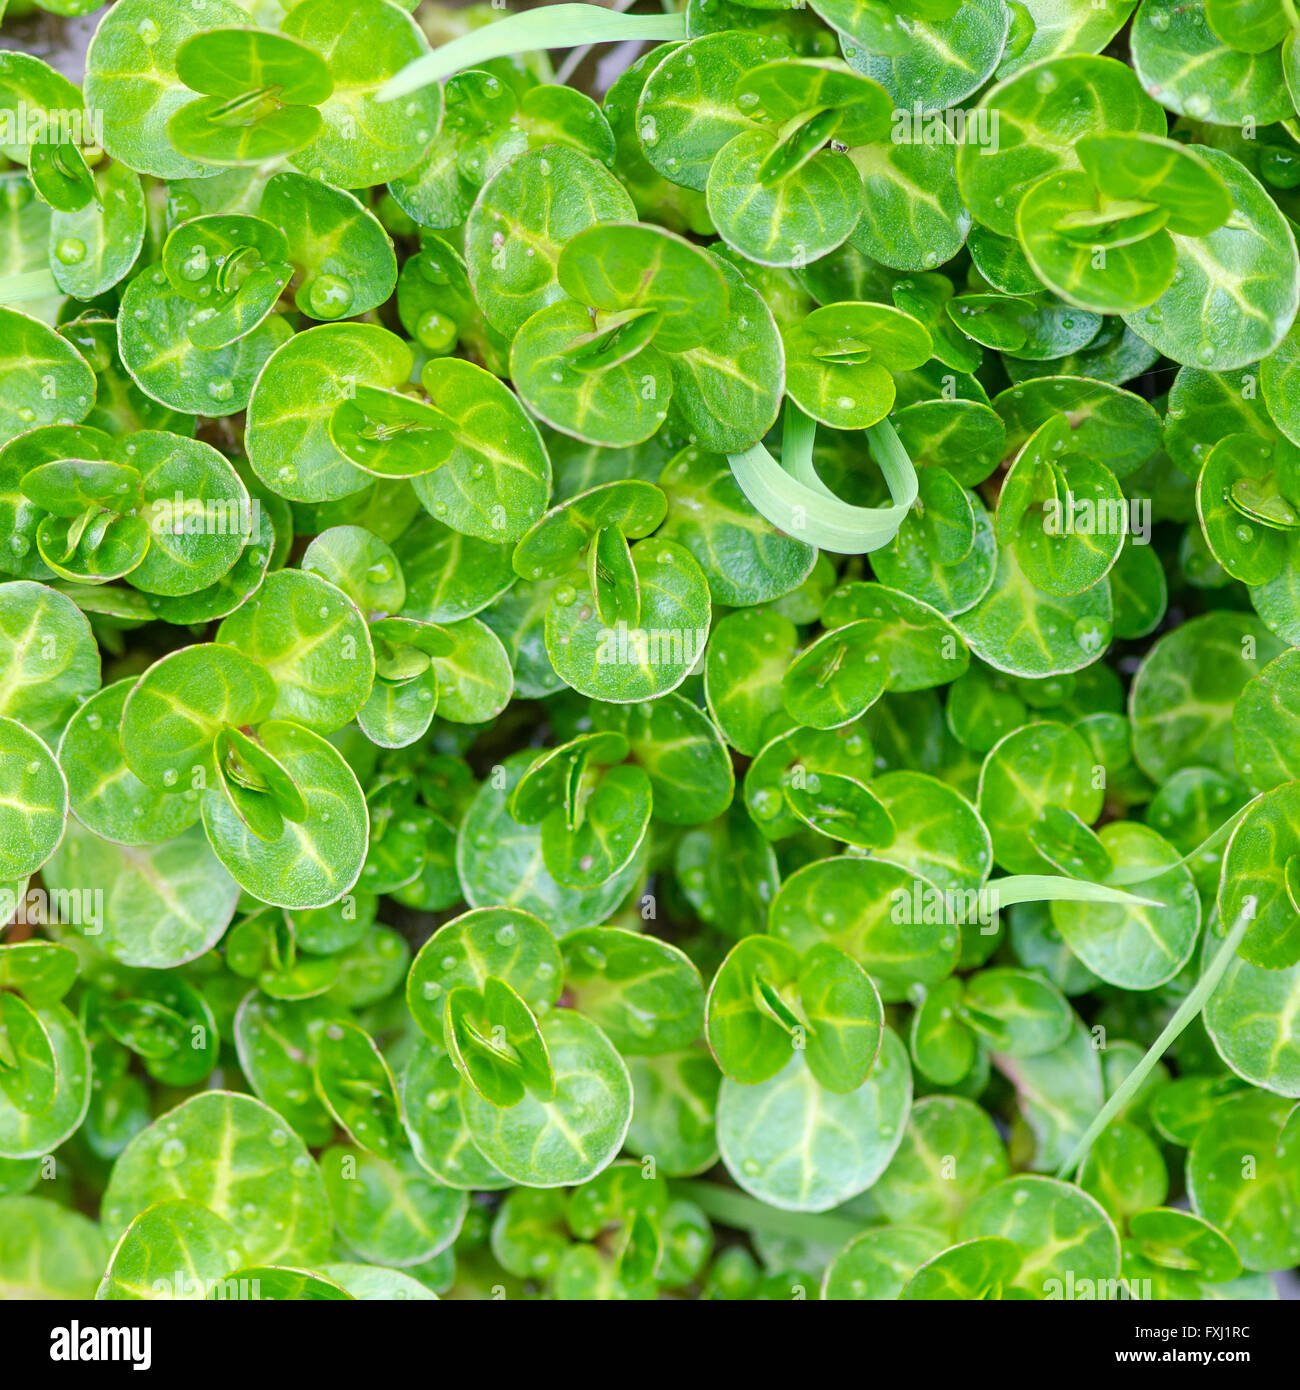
column 1187, row 1010
column 744, row 1213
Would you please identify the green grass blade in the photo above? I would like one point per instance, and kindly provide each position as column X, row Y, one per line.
column 1187, row 1010
column 1055, row 888
column 33, row 284
column 551, row 26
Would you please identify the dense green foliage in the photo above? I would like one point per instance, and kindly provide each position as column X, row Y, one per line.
column 690, row 690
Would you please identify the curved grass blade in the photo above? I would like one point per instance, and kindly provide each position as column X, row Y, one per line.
column 795, row 500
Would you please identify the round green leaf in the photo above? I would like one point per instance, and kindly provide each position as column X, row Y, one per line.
column 866, row 908
column 1136, row 947
column 1060, row 1230
column 797, row 1147
column 236, row 1157
column 570, row 1138
column 390, row 1213
column 521, row 221
column 47, row 1251
column 1245, row 1180
column 308, row 636
column 312, row 862
column 132, row 80
column 1184, row 692
column 646, row 995
column 34, row 806
column 25, row 1134
column 47, row 381
column 364, row 141
column 296, row 395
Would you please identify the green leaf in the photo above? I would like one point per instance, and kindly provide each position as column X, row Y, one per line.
column 47, row 380
column 645, row 995
column 309, row 637
column 526, row 213
column 1171, row 43
column 47, row 1251
column 1188, row 676
column 233, row 1155
column 800, row 1148
column 297, row 392
column 157, row 904
column 390, row 1213
column 353, row 1080
column 170, row 1239
column 865, row 908
column 32, row 1133
column 973, row 1269
column 34, row 805
column 155, row 333
column 310, row 863
column 1240, row 284
column 1080, row 1237
column 570, row 1138
column 132, row 79
column 363, row 140
column 1244, row 1134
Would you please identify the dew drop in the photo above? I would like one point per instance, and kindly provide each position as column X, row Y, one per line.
column 171, row 1152
column 1092, row 634
column 330, row 297
column 436, row 332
